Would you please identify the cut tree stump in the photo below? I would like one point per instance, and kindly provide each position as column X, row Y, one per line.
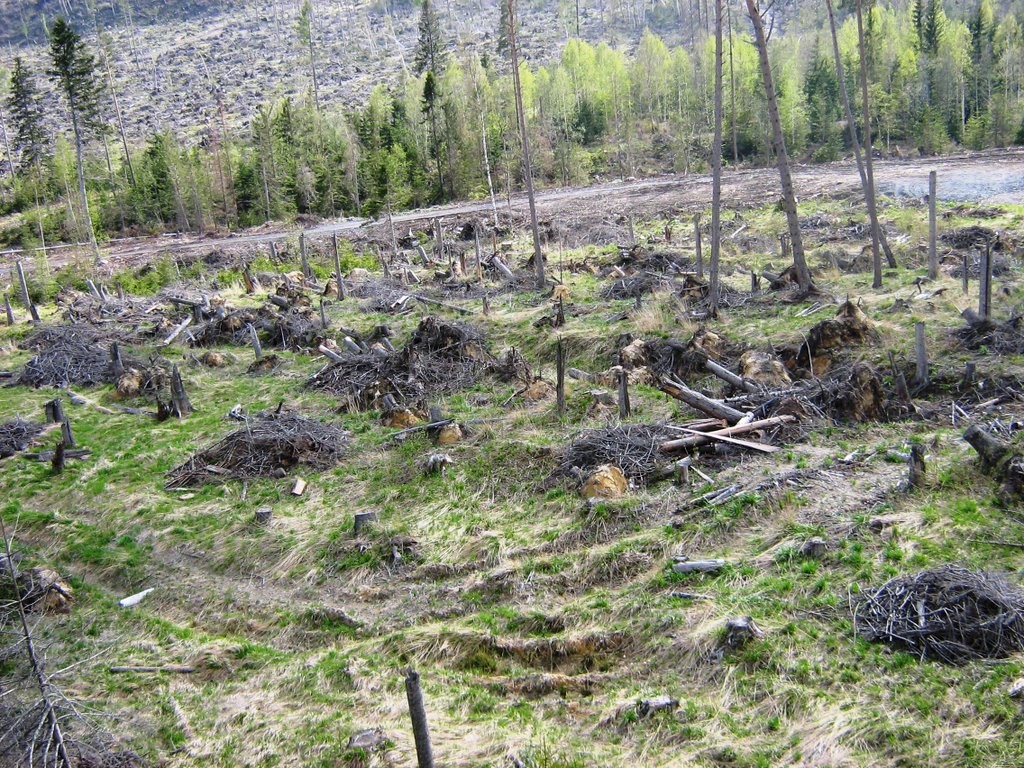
column 741, row 630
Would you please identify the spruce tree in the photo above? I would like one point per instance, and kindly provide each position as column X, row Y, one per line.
column 26, row 116
column 74, row 69
column 431, row 51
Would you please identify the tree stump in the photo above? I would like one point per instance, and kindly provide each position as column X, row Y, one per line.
column 741, row 630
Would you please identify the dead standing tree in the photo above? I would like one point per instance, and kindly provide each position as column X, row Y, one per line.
column 513, row 52
column 851, row 122
column 803, row 275
column 716, row 168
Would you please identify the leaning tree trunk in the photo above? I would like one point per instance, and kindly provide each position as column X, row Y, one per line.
column 803, row 275
column 869, row 171
column 851, row 124
column 716, row 166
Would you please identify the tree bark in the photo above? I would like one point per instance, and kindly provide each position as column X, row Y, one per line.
column 803, row 274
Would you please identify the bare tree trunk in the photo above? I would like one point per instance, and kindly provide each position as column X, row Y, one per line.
column 538, row 255
column 803, row 275
column 732, row 99
column 851, row 124
column 716, row 166
column 120, row 121
column 869, row 170
column 81, row 183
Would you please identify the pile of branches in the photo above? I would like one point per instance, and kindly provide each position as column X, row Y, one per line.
column 1001, row 264
column 633, row 448
column 68, row 355
column 383, row 296
column 1006, row 338
column 133, row 318
column 440, row 358
column 17, row 435
column 636, row 285
column 269, row 445
column 974, row 236
column 949, row 613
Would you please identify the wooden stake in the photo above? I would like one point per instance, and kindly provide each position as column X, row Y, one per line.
column 966, row 277
column 342, row 293
column 66, row 433
column 933, row 253
column 23, row 285
column 560, row 378
column 323, row 315
column 921, row 378
column 899, row 380
column 624, row 406
column 916, row 463
column 985, row 284
column 697, row 245
column 179, row 399
column 304, row 256
column 254, row 339
column 57, row 462
column 54, row 410
column 418, row 715
column 116, row 362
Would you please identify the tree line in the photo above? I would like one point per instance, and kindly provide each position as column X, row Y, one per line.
column 449, row 129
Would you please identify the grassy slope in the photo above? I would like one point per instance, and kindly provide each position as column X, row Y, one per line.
column 535, row 621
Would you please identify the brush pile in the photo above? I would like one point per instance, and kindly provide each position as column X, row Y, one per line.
column 268, row 446
column 440, row 358
column 134, row 319
column 67, row 355
column 637, row 285
column 1006, row 338
column 17, row 435
column 633, row 448
column 949, row 613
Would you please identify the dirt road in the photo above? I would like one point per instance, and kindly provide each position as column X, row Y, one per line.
column 989, row 177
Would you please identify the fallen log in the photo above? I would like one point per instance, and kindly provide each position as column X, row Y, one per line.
column 177, row 331
column 714, row 408
column 180, row 669
column 703, row 437
column 726, row 375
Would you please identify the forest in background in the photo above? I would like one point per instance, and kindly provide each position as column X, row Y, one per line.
column 444, row 128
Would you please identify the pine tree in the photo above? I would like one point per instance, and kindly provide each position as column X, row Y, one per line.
column 74, row 69
column 26, row 116
column 431, row 51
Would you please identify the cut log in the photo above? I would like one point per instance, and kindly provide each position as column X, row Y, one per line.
column 720, row 438
column 330, row 354
column 299, row 487
column 500, row 265
column 702, row 403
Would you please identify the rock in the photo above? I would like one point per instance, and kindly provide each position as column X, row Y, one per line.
column 605, row 482
column 369, row 739
column 763, row 368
